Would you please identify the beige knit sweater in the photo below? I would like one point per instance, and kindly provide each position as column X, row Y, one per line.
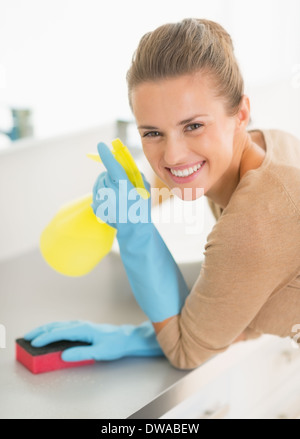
column 250, row 276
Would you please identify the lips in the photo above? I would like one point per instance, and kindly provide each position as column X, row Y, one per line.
column 186, row 174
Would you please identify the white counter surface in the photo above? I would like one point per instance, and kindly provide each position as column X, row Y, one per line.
column 33, row 294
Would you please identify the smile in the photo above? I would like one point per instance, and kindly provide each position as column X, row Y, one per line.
column 187, row 171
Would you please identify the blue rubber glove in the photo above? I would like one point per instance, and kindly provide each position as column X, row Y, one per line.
column 108, row 342
column 154, row 276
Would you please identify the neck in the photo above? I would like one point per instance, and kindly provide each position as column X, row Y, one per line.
column 222, row 191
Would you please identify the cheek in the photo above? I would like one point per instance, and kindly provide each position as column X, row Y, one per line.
column 222, row 146
column 152, row 153
column 152, row 157
column 148, row 155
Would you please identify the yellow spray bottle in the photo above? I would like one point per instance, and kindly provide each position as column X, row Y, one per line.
column 75, row 241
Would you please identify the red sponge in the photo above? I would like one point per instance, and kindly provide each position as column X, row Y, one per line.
column 47, row 358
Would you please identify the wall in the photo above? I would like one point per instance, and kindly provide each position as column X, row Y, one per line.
column 276, row 104
column 67, row 59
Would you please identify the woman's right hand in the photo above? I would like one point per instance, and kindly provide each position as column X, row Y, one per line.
column 115, row 200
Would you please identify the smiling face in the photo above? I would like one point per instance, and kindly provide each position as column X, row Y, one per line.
column 186, row 134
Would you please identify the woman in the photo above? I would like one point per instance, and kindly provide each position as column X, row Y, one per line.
column 186, row 93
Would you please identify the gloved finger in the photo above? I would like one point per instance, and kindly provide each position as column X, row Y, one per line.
column 79, row 354
column 94, row 352
column 36, row 332
column 115, row 170
column 72, row 333
column 99, row 184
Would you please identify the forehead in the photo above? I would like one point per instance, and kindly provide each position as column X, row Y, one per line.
column 173, row 96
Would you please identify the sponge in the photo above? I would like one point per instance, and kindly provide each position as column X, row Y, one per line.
column 47, row 358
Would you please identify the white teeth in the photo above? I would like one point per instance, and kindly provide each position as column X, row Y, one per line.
column 186, row 172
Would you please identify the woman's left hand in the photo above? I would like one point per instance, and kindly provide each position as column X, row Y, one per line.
column 107, row 342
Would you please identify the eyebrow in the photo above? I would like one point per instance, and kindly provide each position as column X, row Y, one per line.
column 183, row 122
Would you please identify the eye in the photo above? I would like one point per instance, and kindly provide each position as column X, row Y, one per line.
column 151, row 134
column 194, row 126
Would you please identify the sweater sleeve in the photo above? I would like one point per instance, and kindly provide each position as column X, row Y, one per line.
column 248, row 256
column 215, row 209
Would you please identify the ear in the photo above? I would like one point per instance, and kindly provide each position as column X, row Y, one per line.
column 243, row 115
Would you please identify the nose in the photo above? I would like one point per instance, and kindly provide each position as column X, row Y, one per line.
column 175, row 152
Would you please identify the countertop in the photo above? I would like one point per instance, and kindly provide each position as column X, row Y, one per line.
column 33, row 294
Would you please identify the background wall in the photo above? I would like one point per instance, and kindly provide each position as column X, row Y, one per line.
column 37, row 177
column 67, row 59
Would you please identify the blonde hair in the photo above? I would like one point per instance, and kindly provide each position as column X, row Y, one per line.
column 186, row 47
